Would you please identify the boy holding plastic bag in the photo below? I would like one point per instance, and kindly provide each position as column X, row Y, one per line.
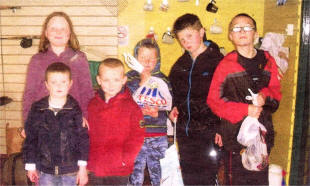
column 241, row 69
column 150, row 89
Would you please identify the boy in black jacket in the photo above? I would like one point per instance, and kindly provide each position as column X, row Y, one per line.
column 190, row 78
column 56, row 146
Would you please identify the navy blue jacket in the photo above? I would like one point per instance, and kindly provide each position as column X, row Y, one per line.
column 190, row 81
column 55, row 140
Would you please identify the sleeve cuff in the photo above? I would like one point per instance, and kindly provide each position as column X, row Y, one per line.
column 82, row 163
column 30, row 166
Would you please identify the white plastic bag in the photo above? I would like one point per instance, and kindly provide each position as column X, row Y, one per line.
column 255, row 156
column 250, row 131
column 171, row 174
column 170, row 168
column 252, row 135
column 154, row 92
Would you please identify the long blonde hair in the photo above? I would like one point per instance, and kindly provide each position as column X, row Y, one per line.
column 44, row 42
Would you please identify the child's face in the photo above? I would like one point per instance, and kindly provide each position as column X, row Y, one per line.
column 148, row 58
column 58, row 84
column 58, row 31
column 191, row 39
column 111, row 80
column 243, row 38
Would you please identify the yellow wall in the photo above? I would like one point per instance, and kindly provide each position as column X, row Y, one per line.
column 139, row 22
column 267, row 16
column 284, row 117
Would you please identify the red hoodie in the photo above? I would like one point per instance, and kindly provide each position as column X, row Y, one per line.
column 115, row 134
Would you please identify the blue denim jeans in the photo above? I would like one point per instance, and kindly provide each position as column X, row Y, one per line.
column 56, row 180
column 152, row 151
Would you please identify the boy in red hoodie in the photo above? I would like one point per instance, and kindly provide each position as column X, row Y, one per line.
column 116, row 135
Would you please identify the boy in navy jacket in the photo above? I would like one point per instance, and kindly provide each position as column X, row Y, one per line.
column 56, row 146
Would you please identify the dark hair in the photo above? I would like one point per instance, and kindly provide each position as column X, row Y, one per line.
column 185, row 21
column 44, row 42
column 57, row 67
column 242, row 15
column 146, row 43
column 110, row 62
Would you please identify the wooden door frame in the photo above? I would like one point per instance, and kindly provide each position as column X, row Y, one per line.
column 302, row 101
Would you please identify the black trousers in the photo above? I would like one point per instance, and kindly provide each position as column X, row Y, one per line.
column 236, row 174
column 108, row 180
column 198, row 168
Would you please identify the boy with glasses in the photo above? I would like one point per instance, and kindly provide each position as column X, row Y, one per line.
column 243, row 69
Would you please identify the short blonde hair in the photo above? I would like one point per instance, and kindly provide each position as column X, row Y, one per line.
column 111, row 63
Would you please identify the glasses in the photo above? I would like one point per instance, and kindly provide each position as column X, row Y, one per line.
column 245, row 28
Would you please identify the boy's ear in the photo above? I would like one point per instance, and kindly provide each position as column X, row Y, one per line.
column 230, row 36
column 124, row 80
column 201, row 32
column 98, row 80
column 256, row 36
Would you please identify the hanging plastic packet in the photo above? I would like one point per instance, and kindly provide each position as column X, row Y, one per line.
column 151, row 34
column 154, row 93
column 164, row 5
column 148, row 6
column 168, row 37
column 216, row 28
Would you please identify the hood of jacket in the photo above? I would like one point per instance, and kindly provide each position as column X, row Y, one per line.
column 134, row 76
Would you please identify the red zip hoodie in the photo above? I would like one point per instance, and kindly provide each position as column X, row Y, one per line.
column 116, row 136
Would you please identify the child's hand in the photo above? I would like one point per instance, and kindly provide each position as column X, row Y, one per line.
column 33, row 176
column 254, row 111
column 85, row 123
column 218, row 140
column 82, row 177
column 174, row 114
column 261, row 100
column 151, row 111
column 144, row 76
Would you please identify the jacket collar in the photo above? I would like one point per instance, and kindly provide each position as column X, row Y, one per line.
column 124, row 93
column 43, row 103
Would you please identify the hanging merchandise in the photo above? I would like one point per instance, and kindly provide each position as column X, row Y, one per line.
column 197, row 3
column 216, row 28
column 273, row 43
column 148, row 6
column 168, row 37
column 151, row 34
column 164, row 5
column 123, row 35
column 211, row 7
